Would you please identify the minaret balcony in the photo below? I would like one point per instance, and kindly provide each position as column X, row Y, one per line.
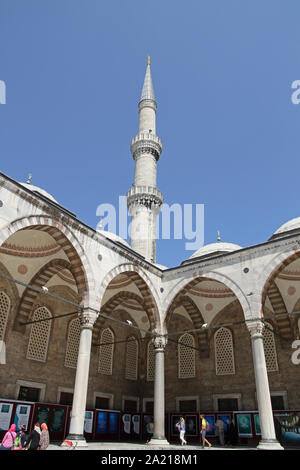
column 146, row 143
column 144, row 195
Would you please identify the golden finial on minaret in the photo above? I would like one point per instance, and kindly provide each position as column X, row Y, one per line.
column 148, row 61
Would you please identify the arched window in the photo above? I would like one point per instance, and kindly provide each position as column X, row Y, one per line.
column 224, row 356
column 186, row 357
column 131, row 364
column 150, row 362
column 270, row 348
column 39, row 335
column 4, row 312
column 106, row 352
column 72, row 343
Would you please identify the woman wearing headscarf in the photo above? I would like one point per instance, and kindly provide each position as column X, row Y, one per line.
column 45, row 440
column 33, row 440
column 9, row 439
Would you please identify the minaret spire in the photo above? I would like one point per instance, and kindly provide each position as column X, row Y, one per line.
column 144, row 199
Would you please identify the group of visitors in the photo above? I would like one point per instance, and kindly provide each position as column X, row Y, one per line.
column 37, row 439
column 224, row 438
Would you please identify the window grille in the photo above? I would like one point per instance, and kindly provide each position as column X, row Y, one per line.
column 106, row 352
column 150, row 362
column 131, row 365
column 4, row 312
column 224, row 356
column 270, row 349
column 186, row 357
column 72, row 343
column 39, row 336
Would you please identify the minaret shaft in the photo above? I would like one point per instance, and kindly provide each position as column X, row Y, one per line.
column 144, row 199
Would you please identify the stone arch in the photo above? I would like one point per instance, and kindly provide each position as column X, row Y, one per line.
column 74, row 251
column 113, row 303
column 268, row 288
column 39, row 279
column 184, row 285
column 151, row 300
column 196, row 318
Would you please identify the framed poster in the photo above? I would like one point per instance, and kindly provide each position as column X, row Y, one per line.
column 57, row 421
column 257, row 425
column 113, row 423
column 126, row 420
column 191, row 425
column 211, row 421
column 244, row 425
column 88, row 422
column 22, row 416
column 5, row 415
column 42, row 415
column 226, row 420
column 136, row 421
column 101, row 422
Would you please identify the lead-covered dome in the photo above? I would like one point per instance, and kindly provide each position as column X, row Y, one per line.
column 38, row 190
column 292, row 225
column 112, row 236
column 217, row 248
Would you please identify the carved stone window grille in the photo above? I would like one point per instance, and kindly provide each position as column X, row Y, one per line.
column 150, row 362
column 270, row 348
column 224, row 354
column 4, row 312
column 131, row 366
column 39, row 336
column 106, row 352
column 73, row 343
column 186, row 357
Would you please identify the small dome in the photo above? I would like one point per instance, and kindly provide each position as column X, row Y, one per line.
column 112, row 236
column 215, row 248
column 291, row 225
column 41, row 191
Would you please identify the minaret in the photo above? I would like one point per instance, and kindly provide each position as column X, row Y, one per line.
column 144, row 199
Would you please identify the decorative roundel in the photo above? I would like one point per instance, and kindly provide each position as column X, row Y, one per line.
column 208, row 307
column 291, row 290
column 22, row 269
column 246, row 270
column 99, row 257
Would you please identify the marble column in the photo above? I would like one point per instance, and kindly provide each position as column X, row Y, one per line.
column 268, row 436
column 159, row 392
column 87, row 319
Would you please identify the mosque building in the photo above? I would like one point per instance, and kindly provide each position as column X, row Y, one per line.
column 90, row 321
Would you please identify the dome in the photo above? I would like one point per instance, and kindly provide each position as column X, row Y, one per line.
column 36, row 189
column 291, row 225
column 112, row 236
column 214, row 249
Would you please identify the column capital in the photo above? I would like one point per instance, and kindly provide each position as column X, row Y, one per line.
column 87, row 318
column 255, row 328
column 160, row 342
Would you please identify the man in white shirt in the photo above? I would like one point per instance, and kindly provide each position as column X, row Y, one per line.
column 220, row 430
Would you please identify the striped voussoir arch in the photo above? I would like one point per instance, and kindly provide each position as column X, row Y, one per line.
column 283, row 323
column 196, row 317
column 80, row 266
column 176, row 302
column 114, row 302
column 272, row 291
column 40, row 279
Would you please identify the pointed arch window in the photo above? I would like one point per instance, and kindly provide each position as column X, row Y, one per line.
column 150, row 362
column 270, row 348
column 224, row 354
column 106, row 352
column 131, row 365
column 4, row 312
column 39, row 335
column 72, row 343
column 186, row 357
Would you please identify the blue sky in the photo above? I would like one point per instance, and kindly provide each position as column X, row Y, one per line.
column 222, row 73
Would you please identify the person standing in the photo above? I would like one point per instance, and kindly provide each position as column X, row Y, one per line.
column 181, row 429
column 220, row 430
column 203, row 432
column 45, row 440
column 33, row 440
column 150, row 430
column 9, row 439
